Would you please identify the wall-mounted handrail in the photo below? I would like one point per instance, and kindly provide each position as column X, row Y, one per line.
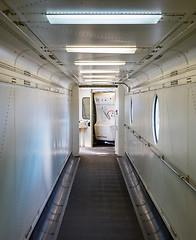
column 160, row 156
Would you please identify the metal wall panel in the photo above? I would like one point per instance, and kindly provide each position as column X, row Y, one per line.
column 7, row 164
column 174, row 199
column 34, row 146
column 191, row 144
column 175, row 122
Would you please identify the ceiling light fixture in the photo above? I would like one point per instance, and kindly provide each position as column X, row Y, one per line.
column 102, row 49
column 99, row 71
column 103, row 17
column 99, row 63
column 98, row 80
column 99, row 76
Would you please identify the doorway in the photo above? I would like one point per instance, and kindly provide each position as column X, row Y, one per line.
column 104, row 118
column 97, row 123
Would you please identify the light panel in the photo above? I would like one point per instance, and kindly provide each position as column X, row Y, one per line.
column 99, row 76
column 100, row 63
column 99, row 71
column 102, row 49
column 99, row 80
column 103, row 18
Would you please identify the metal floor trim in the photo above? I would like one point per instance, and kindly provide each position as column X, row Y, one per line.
column 152, row 225
column 48, row 225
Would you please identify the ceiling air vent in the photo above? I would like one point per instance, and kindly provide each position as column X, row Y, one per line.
column 52, row 57
column 174, row 73
column 14, row 80
column 42, row 57
column 27, row 83
column 26, row 73
column 159, row 56
column 19, row 23
column 9, row 12
column 149, row 56
column 159, row 47
column 174, row 83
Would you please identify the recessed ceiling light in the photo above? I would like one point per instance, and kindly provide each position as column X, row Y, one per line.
column 99, row 71
column 99, row 63
column 102, row 49
column 99, row 76
column 104, row 17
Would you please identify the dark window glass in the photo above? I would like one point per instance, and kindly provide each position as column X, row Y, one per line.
column 156, row 119
column 131, row 112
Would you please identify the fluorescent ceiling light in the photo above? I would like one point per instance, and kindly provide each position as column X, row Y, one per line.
column 102, row 49
column 99, row 63
column 99, row 76
column 98, row 80
column 103, row 18
column 99, row 71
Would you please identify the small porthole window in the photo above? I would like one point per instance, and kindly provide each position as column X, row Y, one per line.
column 156, row 119
column 131, row 111
column 86, row 108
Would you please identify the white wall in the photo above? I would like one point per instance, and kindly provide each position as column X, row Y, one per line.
column 75, row 120
column 119, row 141
column 34, row 146
column 174, row 199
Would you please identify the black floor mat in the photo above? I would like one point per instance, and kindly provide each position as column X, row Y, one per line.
column 99, row 207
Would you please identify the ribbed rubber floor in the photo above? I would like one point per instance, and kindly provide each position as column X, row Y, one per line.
column 99, row 206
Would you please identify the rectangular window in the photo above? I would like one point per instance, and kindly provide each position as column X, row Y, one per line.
column 86, row 107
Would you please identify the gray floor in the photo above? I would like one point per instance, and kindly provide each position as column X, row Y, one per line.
column 99, row 207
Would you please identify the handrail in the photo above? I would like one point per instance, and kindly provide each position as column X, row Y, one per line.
column 160, row 156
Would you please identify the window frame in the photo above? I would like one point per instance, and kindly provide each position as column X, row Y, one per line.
column 156, row 119
column 84, row 109
column 131, row 112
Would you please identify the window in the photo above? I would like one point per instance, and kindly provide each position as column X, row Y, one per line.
column 131, row 112
column 155, row 118
column 86, row 107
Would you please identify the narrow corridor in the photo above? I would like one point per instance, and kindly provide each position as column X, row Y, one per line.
column 99, row 206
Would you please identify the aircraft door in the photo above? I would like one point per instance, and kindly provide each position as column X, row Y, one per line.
column 104, row 128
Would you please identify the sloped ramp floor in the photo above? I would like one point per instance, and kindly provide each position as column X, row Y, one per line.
column 99, row 207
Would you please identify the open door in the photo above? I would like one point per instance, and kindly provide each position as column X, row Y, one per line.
column 85, row 115
column 104, row 118
column 97, row 117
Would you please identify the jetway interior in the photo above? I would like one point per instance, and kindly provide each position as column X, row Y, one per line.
column 42, row 122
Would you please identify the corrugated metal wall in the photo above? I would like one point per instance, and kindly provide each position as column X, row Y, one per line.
column 34, row 146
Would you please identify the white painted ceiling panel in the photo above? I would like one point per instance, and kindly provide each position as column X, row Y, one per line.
column 149, row 39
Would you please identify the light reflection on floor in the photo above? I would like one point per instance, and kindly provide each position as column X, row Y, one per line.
column 97, row 150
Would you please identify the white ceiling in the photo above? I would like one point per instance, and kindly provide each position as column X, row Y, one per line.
column 148, row 38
